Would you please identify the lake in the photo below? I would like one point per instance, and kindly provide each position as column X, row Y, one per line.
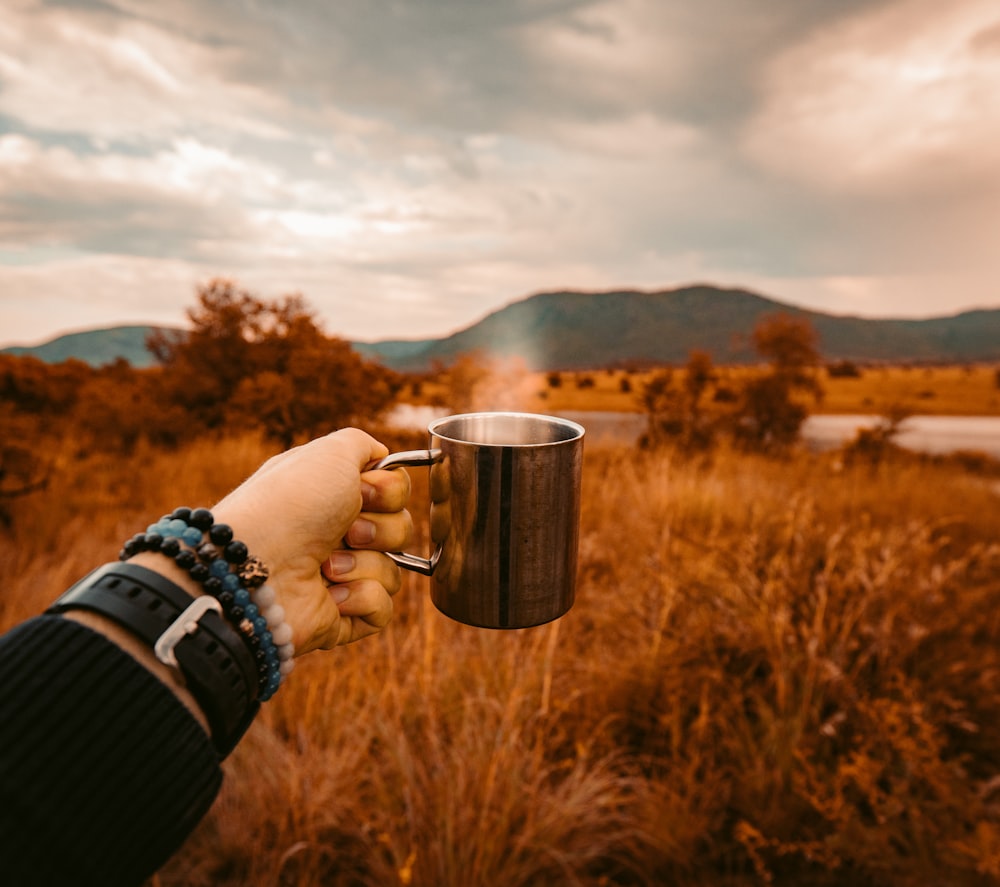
column 929, row 434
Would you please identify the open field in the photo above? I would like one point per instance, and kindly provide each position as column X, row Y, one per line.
column 938, row 390
column 775, row 671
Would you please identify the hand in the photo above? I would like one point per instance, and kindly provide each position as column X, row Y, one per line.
column 295, row 514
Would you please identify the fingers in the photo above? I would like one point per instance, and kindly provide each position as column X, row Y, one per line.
column 381, row 532
column 365, row 580
column 366, row 608
column 385, row 490
column 346, row 566
column 352, row 443
column 384, row 524
column 364, row 583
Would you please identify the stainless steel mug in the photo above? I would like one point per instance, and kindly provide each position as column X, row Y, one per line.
column 505, row 516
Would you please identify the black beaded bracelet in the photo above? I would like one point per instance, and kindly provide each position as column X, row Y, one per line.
column 226, row 571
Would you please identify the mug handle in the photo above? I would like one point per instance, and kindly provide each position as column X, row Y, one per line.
column 412, row 458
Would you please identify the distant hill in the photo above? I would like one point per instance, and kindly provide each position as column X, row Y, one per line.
column 573, row 330
column 96, row 347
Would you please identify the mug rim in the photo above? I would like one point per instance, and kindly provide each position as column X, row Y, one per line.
column 578, row 430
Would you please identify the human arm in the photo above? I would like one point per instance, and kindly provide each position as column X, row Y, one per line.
column 104, row 756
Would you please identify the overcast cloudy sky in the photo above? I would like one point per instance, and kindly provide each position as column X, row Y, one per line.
column 411, row 165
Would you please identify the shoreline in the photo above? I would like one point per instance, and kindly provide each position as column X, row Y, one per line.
column 924, row 432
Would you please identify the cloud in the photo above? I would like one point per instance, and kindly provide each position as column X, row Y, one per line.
column 115, row 78
column 177, row 201
column 410, row 166
column 893, row 102
column 888, row 123
column 75, row 292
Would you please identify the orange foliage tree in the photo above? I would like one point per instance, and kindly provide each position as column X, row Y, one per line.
column 120, row 405
column 678, row 413
column 771, row 412
column 37, row 401
column 252, row 363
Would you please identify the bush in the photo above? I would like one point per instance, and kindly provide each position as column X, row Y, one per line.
column 843, row 369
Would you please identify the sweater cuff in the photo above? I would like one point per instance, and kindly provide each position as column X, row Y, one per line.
column 103, row 771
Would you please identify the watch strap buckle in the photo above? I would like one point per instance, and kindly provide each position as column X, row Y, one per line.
column 181, row 627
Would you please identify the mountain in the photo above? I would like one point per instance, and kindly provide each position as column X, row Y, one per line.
column 573, row 330
column 96, row 347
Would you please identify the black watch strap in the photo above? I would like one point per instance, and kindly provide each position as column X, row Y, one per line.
column 186, row 632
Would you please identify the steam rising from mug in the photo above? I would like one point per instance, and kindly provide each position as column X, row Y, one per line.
column 505, row 516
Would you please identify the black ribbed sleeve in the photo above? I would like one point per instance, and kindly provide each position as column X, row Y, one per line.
column 103, row 772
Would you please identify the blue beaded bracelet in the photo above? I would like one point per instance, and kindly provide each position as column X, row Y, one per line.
column 211, row 567
column 225, row 570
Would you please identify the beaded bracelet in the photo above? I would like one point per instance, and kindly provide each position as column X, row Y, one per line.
column 224, row 569
column 211, row 564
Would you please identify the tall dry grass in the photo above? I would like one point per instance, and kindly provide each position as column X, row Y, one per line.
column 774, row 672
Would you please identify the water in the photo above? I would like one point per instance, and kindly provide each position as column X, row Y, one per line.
column 929, row 434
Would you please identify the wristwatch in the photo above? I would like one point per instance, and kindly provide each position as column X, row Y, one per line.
column 187, row 633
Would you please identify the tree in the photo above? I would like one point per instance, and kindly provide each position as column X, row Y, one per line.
column 477, row 382
column 876, row 444
column 660, row 401
column 119, row 405
column 789, row 342
column 324, row 384
column 770, row 414
column 226, row 344
column 37, row 403
column 843, row 369
column 31, row 386
column 768, row 419
column 253, row 363
column 24, row 466
column 466, row 378
column 678, row 412
column 699, row 426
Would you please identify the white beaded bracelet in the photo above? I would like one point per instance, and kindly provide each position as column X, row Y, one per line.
column 281, row 632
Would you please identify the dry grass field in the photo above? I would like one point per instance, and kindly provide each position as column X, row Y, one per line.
column 775, row 672
column 972, row 390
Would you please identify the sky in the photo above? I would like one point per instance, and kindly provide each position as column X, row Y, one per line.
column 409, row 166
